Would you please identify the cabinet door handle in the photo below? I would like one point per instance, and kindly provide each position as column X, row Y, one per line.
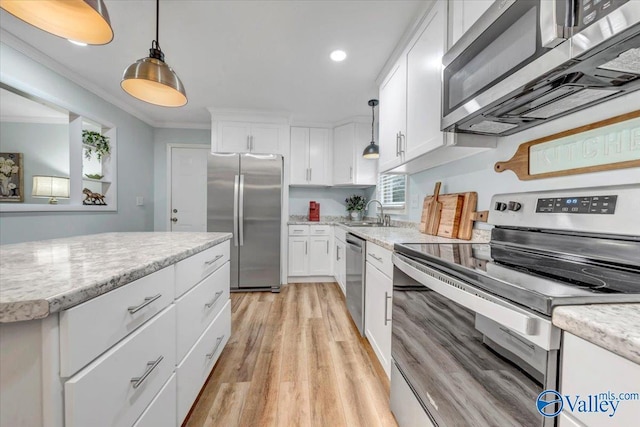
column 337, row 253
column 137, row 381
column 310, row 173
column 215, row 348
column 379, row 259
column 216, row 297
column 148, row 300
column 350, row 172
column 387, row 297
column 306, row 244
column 251, row 142
column 211, row 261
column 327, row 246
column 248, row 143
column 397, row 144
column 403, row 140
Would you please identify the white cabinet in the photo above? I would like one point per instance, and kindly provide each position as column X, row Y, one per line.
column 393, row 116
column 378, row 299
column 588, row 369
column 340, row 260
column 309, row 156
column 310, row 250
column 463, row 14
column 349, row 167
column 244, row 137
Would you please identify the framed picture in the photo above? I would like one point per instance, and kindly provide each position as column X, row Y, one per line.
column 11, row 178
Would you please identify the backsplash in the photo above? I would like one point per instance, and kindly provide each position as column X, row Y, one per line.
column 331, row 200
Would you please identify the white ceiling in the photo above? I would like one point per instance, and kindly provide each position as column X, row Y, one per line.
column 266, row 55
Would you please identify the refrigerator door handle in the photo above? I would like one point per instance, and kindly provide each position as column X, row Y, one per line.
column 241, row 211
column 235, row 210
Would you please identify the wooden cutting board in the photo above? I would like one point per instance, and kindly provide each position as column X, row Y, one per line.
column 450, row 214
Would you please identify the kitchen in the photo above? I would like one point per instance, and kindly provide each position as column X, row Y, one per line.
column 320, row 146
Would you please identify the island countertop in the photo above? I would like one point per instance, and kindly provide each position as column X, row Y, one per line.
column 44, row 277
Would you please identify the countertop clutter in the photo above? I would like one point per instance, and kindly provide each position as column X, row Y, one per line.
column 44, row 277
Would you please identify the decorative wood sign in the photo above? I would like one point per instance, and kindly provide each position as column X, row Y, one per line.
column 605, row 145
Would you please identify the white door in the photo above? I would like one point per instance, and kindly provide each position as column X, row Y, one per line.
column 343, row 154
column 188, row 202
column 393, row 116
column 319, row 256
column 298, row 256
column 299, row 171
column 378, row 314
column 265, row 139
column 318, row 147
column 233, row 137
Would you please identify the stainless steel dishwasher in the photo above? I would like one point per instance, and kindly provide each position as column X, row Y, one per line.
column 356, row 248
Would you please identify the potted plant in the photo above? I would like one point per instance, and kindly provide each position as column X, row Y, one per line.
column 95, row 141
column 355, row 206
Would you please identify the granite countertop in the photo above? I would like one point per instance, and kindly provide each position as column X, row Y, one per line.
column 615, row 327
column 44, row 277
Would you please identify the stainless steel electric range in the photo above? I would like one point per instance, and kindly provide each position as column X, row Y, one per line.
column 472, row 340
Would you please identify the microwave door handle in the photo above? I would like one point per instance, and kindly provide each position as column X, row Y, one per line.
column 509, row 317
column 553, row 28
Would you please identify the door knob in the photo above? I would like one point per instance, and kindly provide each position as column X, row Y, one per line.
column 175, row 211
column 174, row 219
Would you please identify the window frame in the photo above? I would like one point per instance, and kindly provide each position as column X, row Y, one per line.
column 395, row 208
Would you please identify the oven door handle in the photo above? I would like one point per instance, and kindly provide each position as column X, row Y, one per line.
column 512, row 318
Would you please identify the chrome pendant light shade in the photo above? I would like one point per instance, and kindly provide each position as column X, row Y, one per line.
column 372, row 151
column 84, row 21
column 152, row 80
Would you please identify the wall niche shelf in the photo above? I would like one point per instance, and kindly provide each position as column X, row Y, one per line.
column 64, row 159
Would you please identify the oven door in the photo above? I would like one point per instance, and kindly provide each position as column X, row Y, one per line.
column 467, row 358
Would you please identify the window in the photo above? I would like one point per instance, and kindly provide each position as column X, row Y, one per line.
column 392, row 190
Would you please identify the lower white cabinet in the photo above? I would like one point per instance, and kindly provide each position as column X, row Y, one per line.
column 378, row 296
column 340, row 264
column 607, row 373
column 161, row 412
column 310, row 250
column 116, row 388
column 194, row 370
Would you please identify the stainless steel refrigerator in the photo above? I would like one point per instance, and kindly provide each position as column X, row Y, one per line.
column 244, row 197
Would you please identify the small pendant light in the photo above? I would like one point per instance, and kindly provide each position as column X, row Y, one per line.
column 84, row 21
column 373, row 150
column 152, row 80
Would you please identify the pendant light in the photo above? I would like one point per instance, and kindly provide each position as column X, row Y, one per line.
column 152, row 80
column 84, row 21
column 373, row 150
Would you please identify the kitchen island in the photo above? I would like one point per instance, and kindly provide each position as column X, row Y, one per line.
column 113, row 328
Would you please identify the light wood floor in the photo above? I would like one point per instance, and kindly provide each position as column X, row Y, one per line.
column 294, row 359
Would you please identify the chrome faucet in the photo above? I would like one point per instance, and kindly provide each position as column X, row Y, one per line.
column 381, row 214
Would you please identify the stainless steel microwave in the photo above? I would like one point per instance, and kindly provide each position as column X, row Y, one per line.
column 526, row 62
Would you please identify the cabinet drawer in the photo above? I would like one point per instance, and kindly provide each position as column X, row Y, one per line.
column 340, row 233
column 89, row 329
column 196, row 366
column 320, row 230
column 161, row 412
column 195, row 268
column 380, row 258
column 105, row 393
column 298, row 230
column 197, row 308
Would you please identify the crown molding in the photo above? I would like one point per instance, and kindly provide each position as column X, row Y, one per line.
column 181, row 125
column 37, row 55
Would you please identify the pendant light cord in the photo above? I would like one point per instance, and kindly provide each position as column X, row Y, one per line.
column 373, row 119
column 157, row 24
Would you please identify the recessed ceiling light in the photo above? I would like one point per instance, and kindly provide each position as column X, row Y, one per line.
column 338, row 55
column 77, row 43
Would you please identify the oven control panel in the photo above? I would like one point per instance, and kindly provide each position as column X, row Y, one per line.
column 598, row 205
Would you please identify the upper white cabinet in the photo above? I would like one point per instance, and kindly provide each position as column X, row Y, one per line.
column 393, row 116
column 463, row 14
column 411, row 106
column 349, row 167
column 241, row 137
column 310, row 154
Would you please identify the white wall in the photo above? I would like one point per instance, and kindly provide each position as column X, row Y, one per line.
column 161, row 138
column 331, row 199
column 135, row 158
column 476, row 173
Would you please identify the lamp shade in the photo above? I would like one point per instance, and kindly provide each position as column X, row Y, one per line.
column 372, row 151
column 153, row 81
column 85, row 21
column 50, row 186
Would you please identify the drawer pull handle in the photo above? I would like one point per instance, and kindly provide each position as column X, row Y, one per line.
column 137, row 381
column 148, row 300
column 213, row 260
column 379, row 259
column 216, row 297
column 218, row 342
